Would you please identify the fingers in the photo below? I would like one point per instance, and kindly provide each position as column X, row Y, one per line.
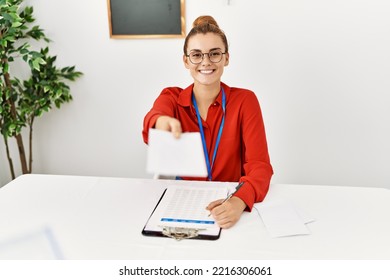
column 225, row 216
column 175, row 127
column 225, row 224
column 228, row 213
column 214, row 204
column 169, row 124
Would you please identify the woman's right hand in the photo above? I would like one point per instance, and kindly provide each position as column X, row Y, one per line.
column 169, row 124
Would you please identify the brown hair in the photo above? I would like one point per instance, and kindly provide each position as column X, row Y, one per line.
column 203, row 25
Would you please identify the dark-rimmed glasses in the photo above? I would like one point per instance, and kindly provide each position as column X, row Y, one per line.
column 196, row 57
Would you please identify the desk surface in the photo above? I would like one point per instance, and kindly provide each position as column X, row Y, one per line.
column 102, row 218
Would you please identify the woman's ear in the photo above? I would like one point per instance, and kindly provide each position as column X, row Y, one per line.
column 226, row 59
column 185, row 60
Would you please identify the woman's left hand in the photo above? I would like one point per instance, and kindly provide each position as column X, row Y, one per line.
column 228, row 213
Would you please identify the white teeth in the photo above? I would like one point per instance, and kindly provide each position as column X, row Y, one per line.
column 206, row 71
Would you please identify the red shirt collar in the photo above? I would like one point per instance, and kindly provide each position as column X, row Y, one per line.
column 185, row 97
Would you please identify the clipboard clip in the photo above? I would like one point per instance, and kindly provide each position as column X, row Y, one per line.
column 180, row 233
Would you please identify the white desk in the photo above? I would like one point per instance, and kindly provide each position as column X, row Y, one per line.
column 102, row 218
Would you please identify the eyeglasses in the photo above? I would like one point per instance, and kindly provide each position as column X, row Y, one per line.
column 196, row 57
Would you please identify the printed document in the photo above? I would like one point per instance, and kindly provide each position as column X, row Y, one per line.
column 185, row 206
column 176, row 157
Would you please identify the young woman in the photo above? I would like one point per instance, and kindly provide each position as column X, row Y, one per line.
column 229, row 120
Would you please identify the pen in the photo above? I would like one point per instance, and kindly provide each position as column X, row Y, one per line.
column 237, row 188
column 230, row 195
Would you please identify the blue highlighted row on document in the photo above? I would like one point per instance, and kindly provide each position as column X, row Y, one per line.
column 187, row 221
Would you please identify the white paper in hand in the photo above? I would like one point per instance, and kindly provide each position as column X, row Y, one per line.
column 178, row 157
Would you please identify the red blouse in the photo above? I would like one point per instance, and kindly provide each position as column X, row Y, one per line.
column 242, row 153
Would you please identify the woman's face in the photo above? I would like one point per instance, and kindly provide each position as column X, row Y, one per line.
column 206, row 72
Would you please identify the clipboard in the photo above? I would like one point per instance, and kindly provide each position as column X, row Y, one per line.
column 178, row 233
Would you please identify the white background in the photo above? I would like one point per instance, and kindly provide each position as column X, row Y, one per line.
column 321, row 70
column 280, row 270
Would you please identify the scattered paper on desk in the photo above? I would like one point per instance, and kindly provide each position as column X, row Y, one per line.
column 178, row 157
column 305, row 217
column 282, row 219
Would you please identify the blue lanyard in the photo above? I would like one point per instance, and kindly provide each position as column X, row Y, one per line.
column 206, row 154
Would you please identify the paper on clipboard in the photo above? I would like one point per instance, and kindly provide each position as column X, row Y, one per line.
column 185, row 207
column 176, row 157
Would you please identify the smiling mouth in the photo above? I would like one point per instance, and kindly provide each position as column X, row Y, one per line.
column 209, row 71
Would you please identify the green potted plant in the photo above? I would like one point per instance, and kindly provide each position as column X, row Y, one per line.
column 22, row 101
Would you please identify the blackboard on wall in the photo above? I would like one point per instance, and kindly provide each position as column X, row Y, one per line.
column 146, row 18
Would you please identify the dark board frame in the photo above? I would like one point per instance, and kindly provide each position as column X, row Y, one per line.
column 133, row 19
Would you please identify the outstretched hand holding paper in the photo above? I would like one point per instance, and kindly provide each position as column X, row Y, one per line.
column 168, row 155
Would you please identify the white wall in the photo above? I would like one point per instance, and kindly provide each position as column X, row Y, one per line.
column 319, row 68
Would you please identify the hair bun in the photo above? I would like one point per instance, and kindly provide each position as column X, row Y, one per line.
column 202, row 20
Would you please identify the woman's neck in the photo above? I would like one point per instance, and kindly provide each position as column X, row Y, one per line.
column 205, row 96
